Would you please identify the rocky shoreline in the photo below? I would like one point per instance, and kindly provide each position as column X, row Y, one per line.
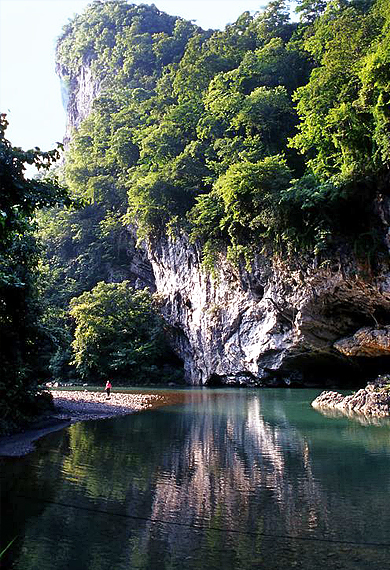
column 78, row 405
column 72, row 406
column 372, row 401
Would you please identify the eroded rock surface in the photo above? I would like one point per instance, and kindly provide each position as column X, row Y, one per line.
column 271, row 325
column 79, row 92
column 369, row 342
column 370, row 401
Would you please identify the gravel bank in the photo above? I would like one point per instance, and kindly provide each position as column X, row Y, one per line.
column 78, row 405
column 75, row 406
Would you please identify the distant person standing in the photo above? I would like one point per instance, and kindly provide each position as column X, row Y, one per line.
column 108, row 388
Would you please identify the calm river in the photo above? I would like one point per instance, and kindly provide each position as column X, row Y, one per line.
column 231, row 479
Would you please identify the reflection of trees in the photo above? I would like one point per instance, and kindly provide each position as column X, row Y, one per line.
column 33, row 476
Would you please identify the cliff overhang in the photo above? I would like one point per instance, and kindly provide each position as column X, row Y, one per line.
column 278, row 324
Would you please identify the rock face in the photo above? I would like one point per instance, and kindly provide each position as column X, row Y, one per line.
column 368, row 341
column 269, row 326
column 139, row 270
column 370, row 401
column 78, row 97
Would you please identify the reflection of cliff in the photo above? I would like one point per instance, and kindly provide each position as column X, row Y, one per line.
column 250, row 477
column 240, row 475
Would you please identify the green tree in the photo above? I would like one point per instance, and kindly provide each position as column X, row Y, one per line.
column 343, row 132
column 22, row 336
column 118, row 334
column 335, row 131
column 375, row 92
column 182, row 112
column 310, row 10
column 243, row 210
column 274, row 21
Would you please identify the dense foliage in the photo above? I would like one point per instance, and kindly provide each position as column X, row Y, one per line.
column 118, row 334
column 187, row 121
column 21, row 333
column 270, row 135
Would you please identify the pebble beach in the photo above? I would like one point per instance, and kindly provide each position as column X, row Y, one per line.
column 72, row 406
column 78, row 405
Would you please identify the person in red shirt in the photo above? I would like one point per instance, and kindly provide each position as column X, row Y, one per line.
column 108, row 388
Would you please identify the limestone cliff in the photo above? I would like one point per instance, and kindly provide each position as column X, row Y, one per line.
column 277, row 324
column 78, row 94
column 272, row 325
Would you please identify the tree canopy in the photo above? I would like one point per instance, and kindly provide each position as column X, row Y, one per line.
column 118, row 334
column 170, row 130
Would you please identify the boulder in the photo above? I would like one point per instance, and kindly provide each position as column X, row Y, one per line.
column 370, row 401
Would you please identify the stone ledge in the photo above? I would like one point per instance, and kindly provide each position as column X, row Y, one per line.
column 370, row 401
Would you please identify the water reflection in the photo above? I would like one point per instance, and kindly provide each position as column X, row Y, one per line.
column 239, row 479
column 361, row 418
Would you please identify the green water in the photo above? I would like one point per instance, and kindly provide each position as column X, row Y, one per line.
column 232, row 479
